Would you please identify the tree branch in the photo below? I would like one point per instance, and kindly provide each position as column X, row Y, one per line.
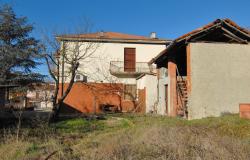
column 73, row 74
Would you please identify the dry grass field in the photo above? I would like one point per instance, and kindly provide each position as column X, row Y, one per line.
column 129, row 136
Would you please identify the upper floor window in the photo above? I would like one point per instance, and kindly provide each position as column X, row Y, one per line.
column 129, row 59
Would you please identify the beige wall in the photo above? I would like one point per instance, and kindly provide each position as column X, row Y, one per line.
column 96, row 67
column 162, row 82
column 150, row 83
column 220, row 78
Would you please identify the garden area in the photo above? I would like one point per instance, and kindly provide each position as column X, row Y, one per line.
column 128, row 136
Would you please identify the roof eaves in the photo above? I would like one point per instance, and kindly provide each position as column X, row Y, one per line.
column 207, row 27
column 156, row 57
column 184, row 37
column 216, row 23
column 235, row 26
column 153, row 60
column 152, row 41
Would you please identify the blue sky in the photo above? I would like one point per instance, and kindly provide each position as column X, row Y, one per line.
column 169, row 18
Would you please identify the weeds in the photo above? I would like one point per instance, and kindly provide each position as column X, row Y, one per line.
column 130, row 137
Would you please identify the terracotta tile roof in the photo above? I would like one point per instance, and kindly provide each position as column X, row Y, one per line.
column 110, row 36
column 218, row 21
column 186, row 37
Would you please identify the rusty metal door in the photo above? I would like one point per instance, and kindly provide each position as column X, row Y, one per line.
column 129, row 59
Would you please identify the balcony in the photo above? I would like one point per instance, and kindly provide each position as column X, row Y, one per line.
column 117, row 69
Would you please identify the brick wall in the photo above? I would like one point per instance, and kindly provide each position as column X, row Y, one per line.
column 89, row 97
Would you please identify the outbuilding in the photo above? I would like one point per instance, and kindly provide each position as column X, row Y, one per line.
column 207, row 71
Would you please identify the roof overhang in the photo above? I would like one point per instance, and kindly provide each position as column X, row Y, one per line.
column 227, row 30
column 114, row 40
column 155, row 58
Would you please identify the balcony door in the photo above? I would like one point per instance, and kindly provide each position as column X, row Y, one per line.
column 129, row 60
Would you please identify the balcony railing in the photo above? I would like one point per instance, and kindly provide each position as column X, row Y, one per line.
column 117, row 68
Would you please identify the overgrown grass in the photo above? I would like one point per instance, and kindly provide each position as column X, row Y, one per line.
column 230, row 125
column 131, row 136
column 78, row 125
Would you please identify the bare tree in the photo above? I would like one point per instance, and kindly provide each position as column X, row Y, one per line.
column 64, row 57
column 69, row 54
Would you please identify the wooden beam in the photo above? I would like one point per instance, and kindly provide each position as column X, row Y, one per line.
column 232, row 38
column 204, row 30
column 247, row 35
column 233, row 35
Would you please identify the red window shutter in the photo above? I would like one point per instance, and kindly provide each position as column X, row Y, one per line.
column 129, row 60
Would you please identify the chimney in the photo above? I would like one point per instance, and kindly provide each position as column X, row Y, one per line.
column 101, row 34
column 153, row 35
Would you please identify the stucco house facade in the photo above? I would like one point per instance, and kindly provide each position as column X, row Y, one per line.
column 147, row 92
column 108, row 78
column 206, row 71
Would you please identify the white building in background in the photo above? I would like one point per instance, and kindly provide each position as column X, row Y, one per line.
column 40, row 96
column 117, row 55
column 117, row 58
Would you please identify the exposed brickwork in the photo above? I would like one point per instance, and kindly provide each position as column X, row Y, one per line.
column 87, row 98
column 189, row 83
column 172, row 85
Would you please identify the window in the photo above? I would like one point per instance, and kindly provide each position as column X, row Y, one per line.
column 129, row 60
column 130, row 92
